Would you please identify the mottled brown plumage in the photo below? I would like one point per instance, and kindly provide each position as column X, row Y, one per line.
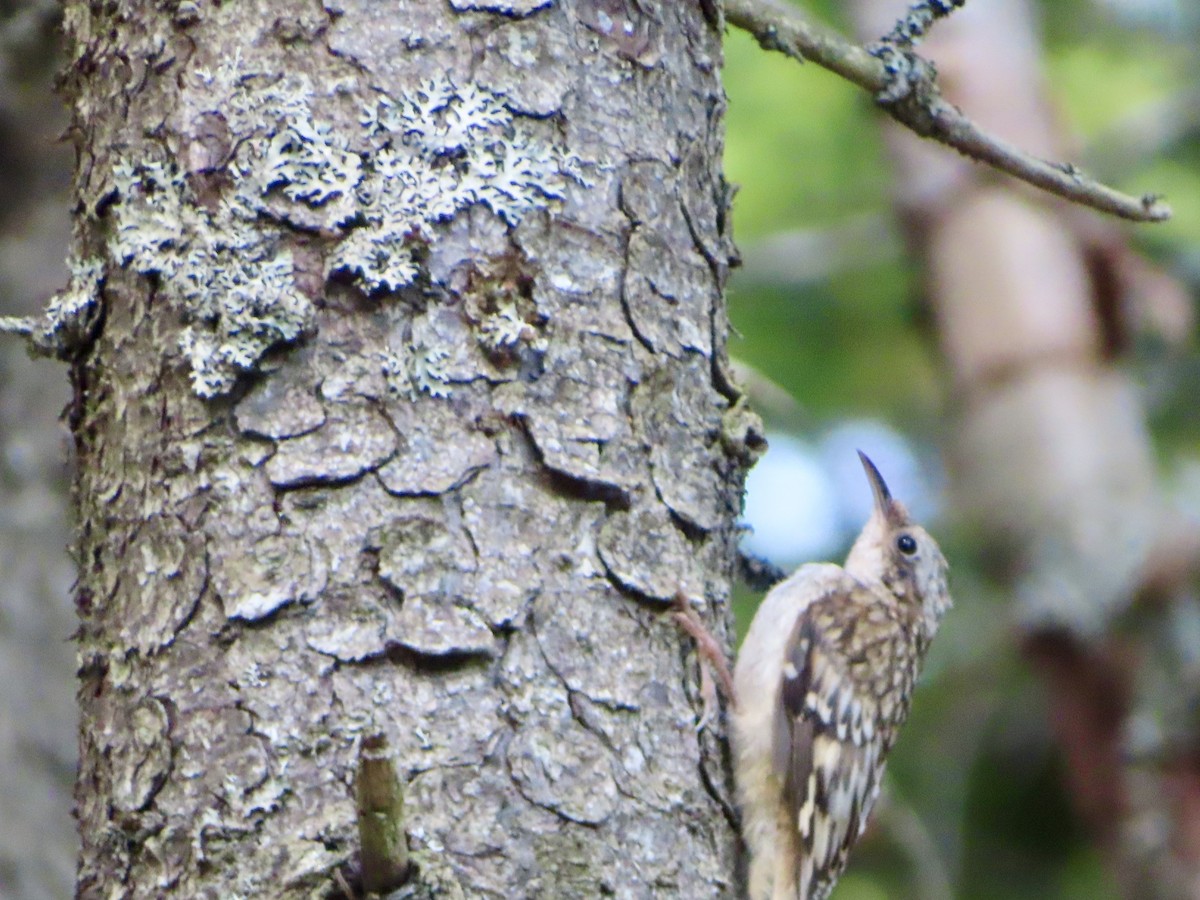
column 823, row 684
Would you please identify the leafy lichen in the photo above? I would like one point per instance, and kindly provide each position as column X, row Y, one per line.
column 231, row 277
column 227, row 264
column 441, row 150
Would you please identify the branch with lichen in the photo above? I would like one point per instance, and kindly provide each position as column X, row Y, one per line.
column 912, row 26
column 905, row 86
column 22, row 326
column 66, row 325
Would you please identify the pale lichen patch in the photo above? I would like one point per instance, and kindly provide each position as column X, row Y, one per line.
column 226, row 260
column 416, row 368
column 288, row 164
column 230, row 277
column 438, row 151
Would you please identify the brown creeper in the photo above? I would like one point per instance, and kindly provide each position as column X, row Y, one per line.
column 823, row 683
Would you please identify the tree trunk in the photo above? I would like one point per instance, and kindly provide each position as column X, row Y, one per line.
column 402, row 410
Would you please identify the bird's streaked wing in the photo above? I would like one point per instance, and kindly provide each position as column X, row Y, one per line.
column 826, row 754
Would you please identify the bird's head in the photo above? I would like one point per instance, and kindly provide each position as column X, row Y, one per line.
column 894, row 550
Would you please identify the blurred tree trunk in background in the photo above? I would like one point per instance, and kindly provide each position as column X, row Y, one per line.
column 457, row 513
column 37, row 667
column 1035, row 302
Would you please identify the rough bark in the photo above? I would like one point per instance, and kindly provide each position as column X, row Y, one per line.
column 422, row 454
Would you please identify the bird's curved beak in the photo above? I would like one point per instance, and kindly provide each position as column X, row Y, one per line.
column 883, row 497
column 891, row 511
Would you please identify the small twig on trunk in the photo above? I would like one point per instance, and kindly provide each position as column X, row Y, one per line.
column 379, row 801
column 906, row 87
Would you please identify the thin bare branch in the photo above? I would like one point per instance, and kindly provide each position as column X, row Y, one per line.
column 17, row 325
column 906, row 87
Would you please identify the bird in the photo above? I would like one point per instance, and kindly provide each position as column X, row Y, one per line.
column 821, row 687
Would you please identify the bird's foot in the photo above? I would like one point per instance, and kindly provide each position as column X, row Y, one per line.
column 712, row 658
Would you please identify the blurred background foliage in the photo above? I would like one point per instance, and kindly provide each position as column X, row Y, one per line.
column 837, row 347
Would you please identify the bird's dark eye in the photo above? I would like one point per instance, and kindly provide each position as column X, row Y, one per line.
column 906, row 544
